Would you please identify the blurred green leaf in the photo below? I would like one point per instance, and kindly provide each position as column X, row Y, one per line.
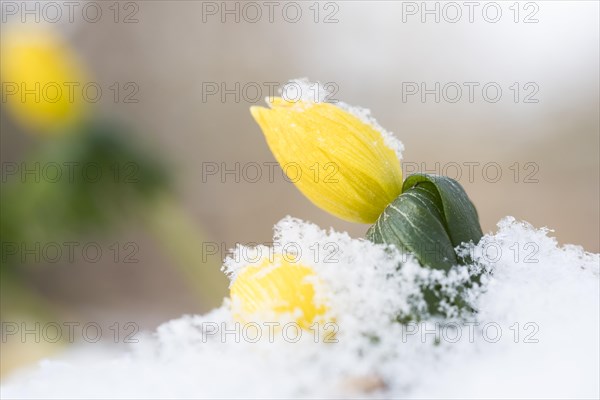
column 92, row 180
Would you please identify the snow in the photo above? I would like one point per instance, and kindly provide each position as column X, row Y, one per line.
column 542, row 298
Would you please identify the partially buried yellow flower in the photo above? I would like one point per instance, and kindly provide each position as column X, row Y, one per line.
column 42, row 81
column 339, row 162
column 268, row 290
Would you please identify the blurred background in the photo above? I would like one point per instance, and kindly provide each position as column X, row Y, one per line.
column 178, row 150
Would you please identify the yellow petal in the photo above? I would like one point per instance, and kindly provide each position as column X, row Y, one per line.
column 42, row 81
column 273, row 290
column 339, row 162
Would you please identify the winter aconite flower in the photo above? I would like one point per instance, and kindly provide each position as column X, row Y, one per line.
column 269, row 290
column 341, row 163
column 42, row 81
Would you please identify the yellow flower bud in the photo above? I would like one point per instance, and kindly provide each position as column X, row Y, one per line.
column 339, row 162
column 268, row 291
column 42, row 79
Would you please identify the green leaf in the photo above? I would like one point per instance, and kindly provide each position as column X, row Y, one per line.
column 462, row 221
column 431, row 217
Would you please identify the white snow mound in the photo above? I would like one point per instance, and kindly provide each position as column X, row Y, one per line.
column 534, row 332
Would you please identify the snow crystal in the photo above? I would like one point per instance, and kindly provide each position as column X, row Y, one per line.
column 532, row 330
column 302, row 89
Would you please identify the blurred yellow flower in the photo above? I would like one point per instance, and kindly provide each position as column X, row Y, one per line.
column 271, row 289
column 41, row 79
column 339, row 162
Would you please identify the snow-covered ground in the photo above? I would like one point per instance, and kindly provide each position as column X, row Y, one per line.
column 535, row 332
